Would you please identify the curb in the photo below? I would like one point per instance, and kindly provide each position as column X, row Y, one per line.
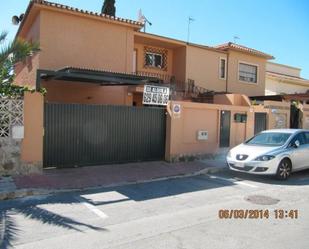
column 21, row 193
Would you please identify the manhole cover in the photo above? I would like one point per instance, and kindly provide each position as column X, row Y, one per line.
column 262, row 200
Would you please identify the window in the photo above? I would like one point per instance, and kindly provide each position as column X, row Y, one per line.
column 240, row 118
column 222, row 68
column 248, row 73
column 154, row 60
column 307, row 137
column 301, row 137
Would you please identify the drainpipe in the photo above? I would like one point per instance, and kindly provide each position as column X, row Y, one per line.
column 227, row 73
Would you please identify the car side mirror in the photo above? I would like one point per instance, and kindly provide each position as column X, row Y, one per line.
column 296, row 144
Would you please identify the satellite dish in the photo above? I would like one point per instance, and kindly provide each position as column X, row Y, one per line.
column 21, row 17
column 16, row 20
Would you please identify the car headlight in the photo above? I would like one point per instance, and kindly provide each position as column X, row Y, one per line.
column 264, row 158
column 229, row 154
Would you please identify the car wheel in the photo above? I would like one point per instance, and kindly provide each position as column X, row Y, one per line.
column 284, row 169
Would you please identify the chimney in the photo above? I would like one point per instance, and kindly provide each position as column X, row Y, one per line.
column 109, row 8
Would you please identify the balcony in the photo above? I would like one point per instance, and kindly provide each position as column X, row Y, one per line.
column 165, row 78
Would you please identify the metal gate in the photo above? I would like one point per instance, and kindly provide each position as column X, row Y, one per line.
column 259, row 122
column 81, row 135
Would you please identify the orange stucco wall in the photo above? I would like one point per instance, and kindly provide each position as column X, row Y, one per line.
column 179, row 64
column 232, row 99
column 202, row 66
column 182, row 129
column 237, row 86
column 85, row 93
column 32, row 144
column 278, row 112
column 78, row 41
column 26, row 70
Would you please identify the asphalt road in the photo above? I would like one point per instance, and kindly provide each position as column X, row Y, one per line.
column 179, row 213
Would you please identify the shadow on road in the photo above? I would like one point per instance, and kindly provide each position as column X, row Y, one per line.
column 160, row 189
column 8, row 227
column 31, row 209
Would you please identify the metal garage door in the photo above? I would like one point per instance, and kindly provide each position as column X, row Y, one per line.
column 80, row 135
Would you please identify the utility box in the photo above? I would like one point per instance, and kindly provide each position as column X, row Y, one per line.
column 202, row 135
column 18, row 132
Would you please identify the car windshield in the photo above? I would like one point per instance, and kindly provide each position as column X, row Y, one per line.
column 269, row 139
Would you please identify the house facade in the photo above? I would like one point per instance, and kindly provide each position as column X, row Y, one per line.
column 94, row 68
column 283, row 79
column 76, row 39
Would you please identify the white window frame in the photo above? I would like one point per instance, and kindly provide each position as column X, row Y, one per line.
column 222, row 58
column 153, row 66
column 257, row 73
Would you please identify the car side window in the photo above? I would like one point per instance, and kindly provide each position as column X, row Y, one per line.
column 300, row 137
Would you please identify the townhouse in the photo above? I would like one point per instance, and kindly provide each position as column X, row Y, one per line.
column 77, row 42
column 95, row 68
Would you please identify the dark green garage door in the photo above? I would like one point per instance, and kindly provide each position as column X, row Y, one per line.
column 80, row 135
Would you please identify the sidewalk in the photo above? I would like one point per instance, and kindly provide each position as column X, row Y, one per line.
column 61, row 180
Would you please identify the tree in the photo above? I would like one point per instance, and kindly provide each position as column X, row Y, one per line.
column 109, row 8
column 10, row 54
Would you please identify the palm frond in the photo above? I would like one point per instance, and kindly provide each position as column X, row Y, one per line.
column 5, row 51
column 21, row 49
column 8, row 230
column 3, row 35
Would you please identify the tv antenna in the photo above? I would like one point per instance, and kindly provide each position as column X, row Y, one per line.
column 190, row 20
column 143, row 19
column 235, row 38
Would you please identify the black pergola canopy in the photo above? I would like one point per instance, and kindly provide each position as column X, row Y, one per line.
column 91, row 76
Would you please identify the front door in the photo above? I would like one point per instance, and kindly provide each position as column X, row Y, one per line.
column 225, row 125
column 259, row 122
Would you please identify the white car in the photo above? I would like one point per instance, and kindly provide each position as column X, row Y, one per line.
column 272, row 152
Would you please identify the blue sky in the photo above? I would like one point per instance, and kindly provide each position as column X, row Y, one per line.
column 278, row 27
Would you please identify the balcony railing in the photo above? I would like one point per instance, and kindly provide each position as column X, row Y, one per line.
column 181, row 89
column 166, row 78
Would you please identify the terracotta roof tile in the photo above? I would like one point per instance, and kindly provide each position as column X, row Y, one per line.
column 73, row 9
column 231, row 45
column 61, row 6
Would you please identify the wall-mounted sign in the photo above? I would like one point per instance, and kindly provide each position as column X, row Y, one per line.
column 280, row 121
column 274, row 110
column 156, row 95
column 176, row 109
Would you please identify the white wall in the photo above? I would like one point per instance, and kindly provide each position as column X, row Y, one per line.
column 283, row 69
column 274, row 87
